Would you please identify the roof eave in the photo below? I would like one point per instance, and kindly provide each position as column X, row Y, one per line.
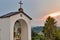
column 15, row 14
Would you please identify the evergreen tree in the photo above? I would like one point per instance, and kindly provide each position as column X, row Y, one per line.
column 49, row 29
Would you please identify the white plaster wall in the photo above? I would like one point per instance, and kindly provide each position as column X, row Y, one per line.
column 4, row 26
column 24, row 30
column 14, row 18
column 7, row 27
column 29, row 31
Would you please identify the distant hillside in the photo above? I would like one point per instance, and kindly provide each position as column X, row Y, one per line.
column 39, row 28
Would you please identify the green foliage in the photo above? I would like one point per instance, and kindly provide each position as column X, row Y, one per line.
column 49, row 29
column 57, row 35
column 35, row 36
column 41, row 37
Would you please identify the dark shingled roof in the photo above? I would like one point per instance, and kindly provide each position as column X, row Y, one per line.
column 14, row 13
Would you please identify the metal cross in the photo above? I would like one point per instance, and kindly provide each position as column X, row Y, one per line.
column 20, row 3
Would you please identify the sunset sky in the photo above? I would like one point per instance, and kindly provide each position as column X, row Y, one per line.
column 37, row 9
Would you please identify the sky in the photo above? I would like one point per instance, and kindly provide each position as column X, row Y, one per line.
column 37, row 9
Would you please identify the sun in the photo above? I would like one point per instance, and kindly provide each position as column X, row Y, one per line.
column 55, row 14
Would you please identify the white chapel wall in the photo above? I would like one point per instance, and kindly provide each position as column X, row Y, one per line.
column 14, row 18
column 7, row 26
column 4, row 26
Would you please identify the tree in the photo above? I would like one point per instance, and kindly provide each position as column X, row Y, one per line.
column 49, row 29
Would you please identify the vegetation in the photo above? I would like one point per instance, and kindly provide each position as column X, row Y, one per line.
column 58, row 34
column 35, row 36
column 49, row 29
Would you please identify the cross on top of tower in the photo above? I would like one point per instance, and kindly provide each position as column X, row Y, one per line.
column 20, row 9
column 20, row 3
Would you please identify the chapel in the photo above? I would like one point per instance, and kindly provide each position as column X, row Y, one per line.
column 15, row 25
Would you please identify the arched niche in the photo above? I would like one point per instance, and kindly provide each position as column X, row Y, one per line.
column 20, row 31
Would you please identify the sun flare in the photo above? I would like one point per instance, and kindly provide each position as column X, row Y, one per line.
column 55, row 14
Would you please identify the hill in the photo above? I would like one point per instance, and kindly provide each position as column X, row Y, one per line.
column 40, row 28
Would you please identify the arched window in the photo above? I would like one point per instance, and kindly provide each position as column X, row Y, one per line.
column 17, row 31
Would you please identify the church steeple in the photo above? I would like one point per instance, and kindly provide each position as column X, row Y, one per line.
column 20, row 9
